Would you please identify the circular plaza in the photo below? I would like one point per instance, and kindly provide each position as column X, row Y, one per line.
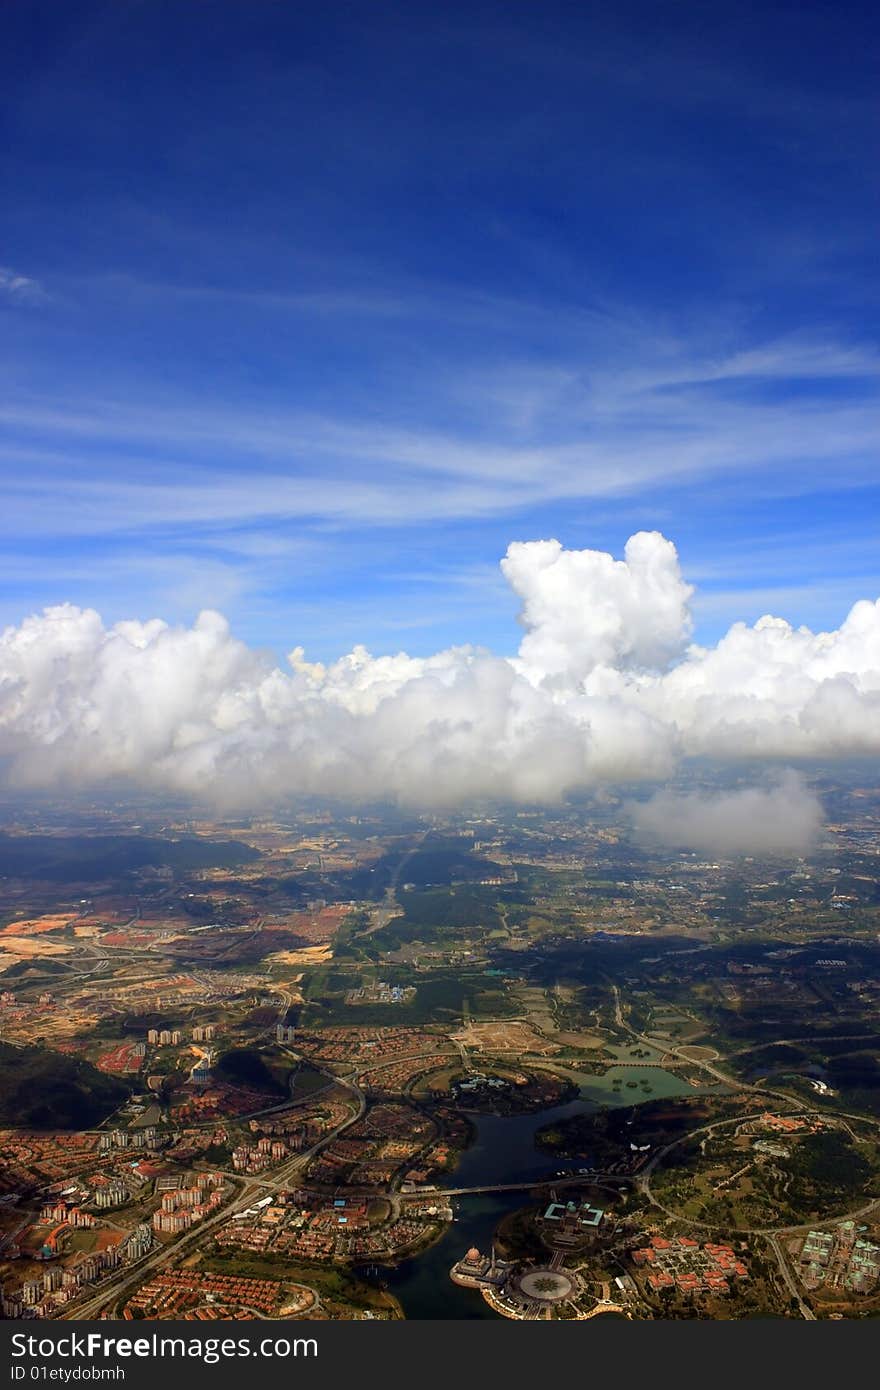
column 545, row 1286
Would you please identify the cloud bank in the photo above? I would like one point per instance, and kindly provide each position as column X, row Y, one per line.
column 605, row 686
column 784, row 818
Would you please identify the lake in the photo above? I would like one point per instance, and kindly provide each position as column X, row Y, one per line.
column 504, row 1151
column 504, row 1148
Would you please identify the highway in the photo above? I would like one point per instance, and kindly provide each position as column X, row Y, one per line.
column 114, row 1289
column 390, row 908
column 791, row 1285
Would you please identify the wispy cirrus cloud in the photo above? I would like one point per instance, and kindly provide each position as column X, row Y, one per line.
column 20, row 289
column 583, row 431
column 625, row 423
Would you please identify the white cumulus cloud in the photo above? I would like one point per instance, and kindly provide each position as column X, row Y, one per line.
column 605, row 686
column 583, row 609
column 783, row 818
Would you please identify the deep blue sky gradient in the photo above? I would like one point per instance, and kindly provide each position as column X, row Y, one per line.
column 307, row 311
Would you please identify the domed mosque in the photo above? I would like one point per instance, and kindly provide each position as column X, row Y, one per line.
column 513, row 1291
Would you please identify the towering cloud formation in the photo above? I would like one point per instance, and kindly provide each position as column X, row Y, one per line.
column 584, row 609
column 604, row 687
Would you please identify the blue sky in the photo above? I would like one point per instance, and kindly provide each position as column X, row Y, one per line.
column 306, row 312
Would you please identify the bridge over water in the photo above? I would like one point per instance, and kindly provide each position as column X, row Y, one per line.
column 527, row 1185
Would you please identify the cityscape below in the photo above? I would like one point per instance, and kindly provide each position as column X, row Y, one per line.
column 503, row 1062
